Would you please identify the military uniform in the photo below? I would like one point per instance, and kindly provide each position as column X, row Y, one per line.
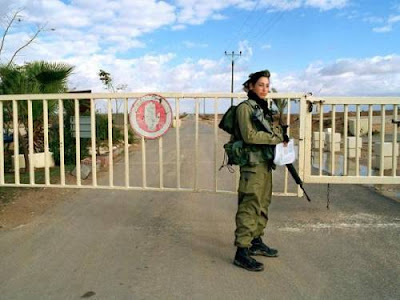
column 255, row 186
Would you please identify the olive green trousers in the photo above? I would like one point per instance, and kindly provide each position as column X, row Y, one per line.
column 254, row 195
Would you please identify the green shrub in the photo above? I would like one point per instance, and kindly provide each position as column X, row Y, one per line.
column 69, row 139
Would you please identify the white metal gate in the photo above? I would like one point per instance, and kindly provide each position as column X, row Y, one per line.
column 352, row 140
column 189, row 156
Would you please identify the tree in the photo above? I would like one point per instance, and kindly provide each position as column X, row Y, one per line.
column 30, row 78
column 107, row 80
column 16, row 17
column 37, row 77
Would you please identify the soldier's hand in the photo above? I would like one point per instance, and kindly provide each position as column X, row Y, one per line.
column 285, row 138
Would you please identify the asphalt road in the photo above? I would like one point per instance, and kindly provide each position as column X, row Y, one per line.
column 103, row 244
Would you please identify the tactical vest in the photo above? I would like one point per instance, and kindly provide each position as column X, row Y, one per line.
column 240, row 153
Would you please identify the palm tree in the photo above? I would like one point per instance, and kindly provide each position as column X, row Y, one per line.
column 38, row 77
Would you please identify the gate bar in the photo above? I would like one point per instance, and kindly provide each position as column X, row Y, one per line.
column 333, row 169
column 93, row 141
column 345, row 129
column 394, row 142
column 178, row 146
column 161, row 161
column 196, row 143
column 370, row 115
column 46, row 140
column 110, row 144
column 16, row 142
column 321, row 129
column 2, row 144
column 126, row 142
column 382, row 157
column 304, row 148
column 358, row 130
column 144, row 169
column 61, row 138
column 30, row 143
column 215, row 144
column 78, row 143
column 285, row 186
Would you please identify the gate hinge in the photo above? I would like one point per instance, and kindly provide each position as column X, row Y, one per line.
column 396, row 122
column 311, row 104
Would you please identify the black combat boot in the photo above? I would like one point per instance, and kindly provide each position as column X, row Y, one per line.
column 259, row 248
column 244, row 260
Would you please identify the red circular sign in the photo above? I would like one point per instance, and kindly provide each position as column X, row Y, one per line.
column 151, row 116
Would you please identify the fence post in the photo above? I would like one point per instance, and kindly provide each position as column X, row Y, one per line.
column 305, row 140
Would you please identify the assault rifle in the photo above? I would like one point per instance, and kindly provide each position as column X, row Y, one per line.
column 292, row 170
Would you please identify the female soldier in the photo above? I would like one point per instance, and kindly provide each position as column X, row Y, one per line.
column 259, row 135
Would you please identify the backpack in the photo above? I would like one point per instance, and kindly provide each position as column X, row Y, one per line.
column 228, row 120
column 235, row 152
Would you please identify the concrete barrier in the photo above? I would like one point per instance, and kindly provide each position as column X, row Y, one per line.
column 387, row 154
column 363, row 126
column 351, row 146
column 37, row 160
column 316, row 138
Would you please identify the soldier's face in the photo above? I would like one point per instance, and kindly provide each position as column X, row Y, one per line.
column 261, row 87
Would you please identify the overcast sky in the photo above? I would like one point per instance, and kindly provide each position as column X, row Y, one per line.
column 328, row 47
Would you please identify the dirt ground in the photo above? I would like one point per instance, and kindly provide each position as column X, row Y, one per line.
column 24, row 204
column 28, row 203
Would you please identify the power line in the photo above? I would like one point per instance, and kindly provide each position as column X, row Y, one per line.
column 248, row 16
column 240, row 31
column 256, row 30
column 269, row 26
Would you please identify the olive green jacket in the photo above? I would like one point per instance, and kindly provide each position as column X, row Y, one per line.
column 251, row 133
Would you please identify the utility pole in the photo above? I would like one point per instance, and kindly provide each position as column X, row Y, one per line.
column 233, row 56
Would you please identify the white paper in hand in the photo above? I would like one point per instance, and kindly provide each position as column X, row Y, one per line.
column 284, row 155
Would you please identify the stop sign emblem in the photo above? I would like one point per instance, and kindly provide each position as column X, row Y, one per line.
column 150, row 116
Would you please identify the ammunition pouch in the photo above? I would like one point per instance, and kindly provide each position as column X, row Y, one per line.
column 237, row 154
column 241, row 154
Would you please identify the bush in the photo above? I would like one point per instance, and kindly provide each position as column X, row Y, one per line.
column 69, row 139
column 117, row 131
column 131, row 136
column 69, row 144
